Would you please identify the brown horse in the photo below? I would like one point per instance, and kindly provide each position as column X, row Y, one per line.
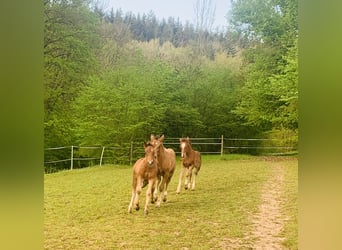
column 145, row 170
column 166, row 167
column 191, row 159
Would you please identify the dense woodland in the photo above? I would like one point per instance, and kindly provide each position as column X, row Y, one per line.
column 112, row 77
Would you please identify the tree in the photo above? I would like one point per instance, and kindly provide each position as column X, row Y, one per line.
column 269, row 95
column 70, row 37
column 111, row 50
column 124, row 104
column 268, row 21
column 114, row 77
column 204, row 20
column 284, row 86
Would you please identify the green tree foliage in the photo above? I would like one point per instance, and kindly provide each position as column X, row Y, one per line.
column 122, row 105
column 70, row 36
column 115, row 77
column 268, row 21
column 284, row 86
column 268, row 98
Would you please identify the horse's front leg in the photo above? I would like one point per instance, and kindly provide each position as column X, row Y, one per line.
column 148, row 194
column 180, row 179
column 137, row 193
column 152, row 192
column 160, row 193
column 167, row 181
column 188, row 177
column 156, row 189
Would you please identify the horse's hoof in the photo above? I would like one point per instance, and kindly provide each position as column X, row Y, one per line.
column 137, row 208
column 146, row 212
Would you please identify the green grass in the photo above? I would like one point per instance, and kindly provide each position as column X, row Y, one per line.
column 87, row 208
column 237, row 157
column 290, row 206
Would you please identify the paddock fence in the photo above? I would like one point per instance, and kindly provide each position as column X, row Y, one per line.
column 71, row 157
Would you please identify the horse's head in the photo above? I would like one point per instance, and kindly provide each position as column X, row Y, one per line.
column 184, row 146
column 157, row 142
column 150, row 154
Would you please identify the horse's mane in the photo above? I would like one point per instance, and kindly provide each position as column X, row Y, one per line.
column 187, row 141
column 184, row 140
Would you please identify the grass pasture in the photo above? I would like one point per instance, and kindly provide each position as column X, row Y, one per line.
column 87, row 208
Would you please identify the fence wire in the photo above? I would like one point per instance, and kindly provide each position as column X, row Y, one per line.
column 69, row 157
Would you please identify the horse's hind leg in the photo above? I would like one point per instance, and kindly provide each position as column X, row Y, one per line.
column 134, row 193
column 194, row 179
column 197, row 168
column 145, row 182
column 130, row 207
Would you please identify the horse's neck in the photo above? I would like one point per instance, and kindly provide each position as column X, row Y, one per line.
column 139, row 166
column 144, row 162
column 162, row 150
column 190, row 151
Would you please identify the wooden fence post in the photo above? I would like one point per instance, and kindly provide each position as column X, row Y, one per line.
column 221, row 145
column 103, row 148
column 72, row 158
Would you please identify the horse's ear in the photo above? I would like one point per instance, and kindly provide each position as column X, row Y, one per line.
column 180, row 139
column 187, row 138
column 152, row 137
column 161, row 138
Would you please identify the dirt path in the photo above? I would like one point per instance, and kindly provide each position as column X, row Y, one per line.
column 267, row 223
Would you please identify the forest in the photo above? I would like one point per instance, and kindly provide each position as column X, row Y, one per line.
column 112, row 77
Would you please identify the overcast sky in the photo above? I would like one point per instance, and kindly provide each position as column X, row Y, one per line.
column 184, row 9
